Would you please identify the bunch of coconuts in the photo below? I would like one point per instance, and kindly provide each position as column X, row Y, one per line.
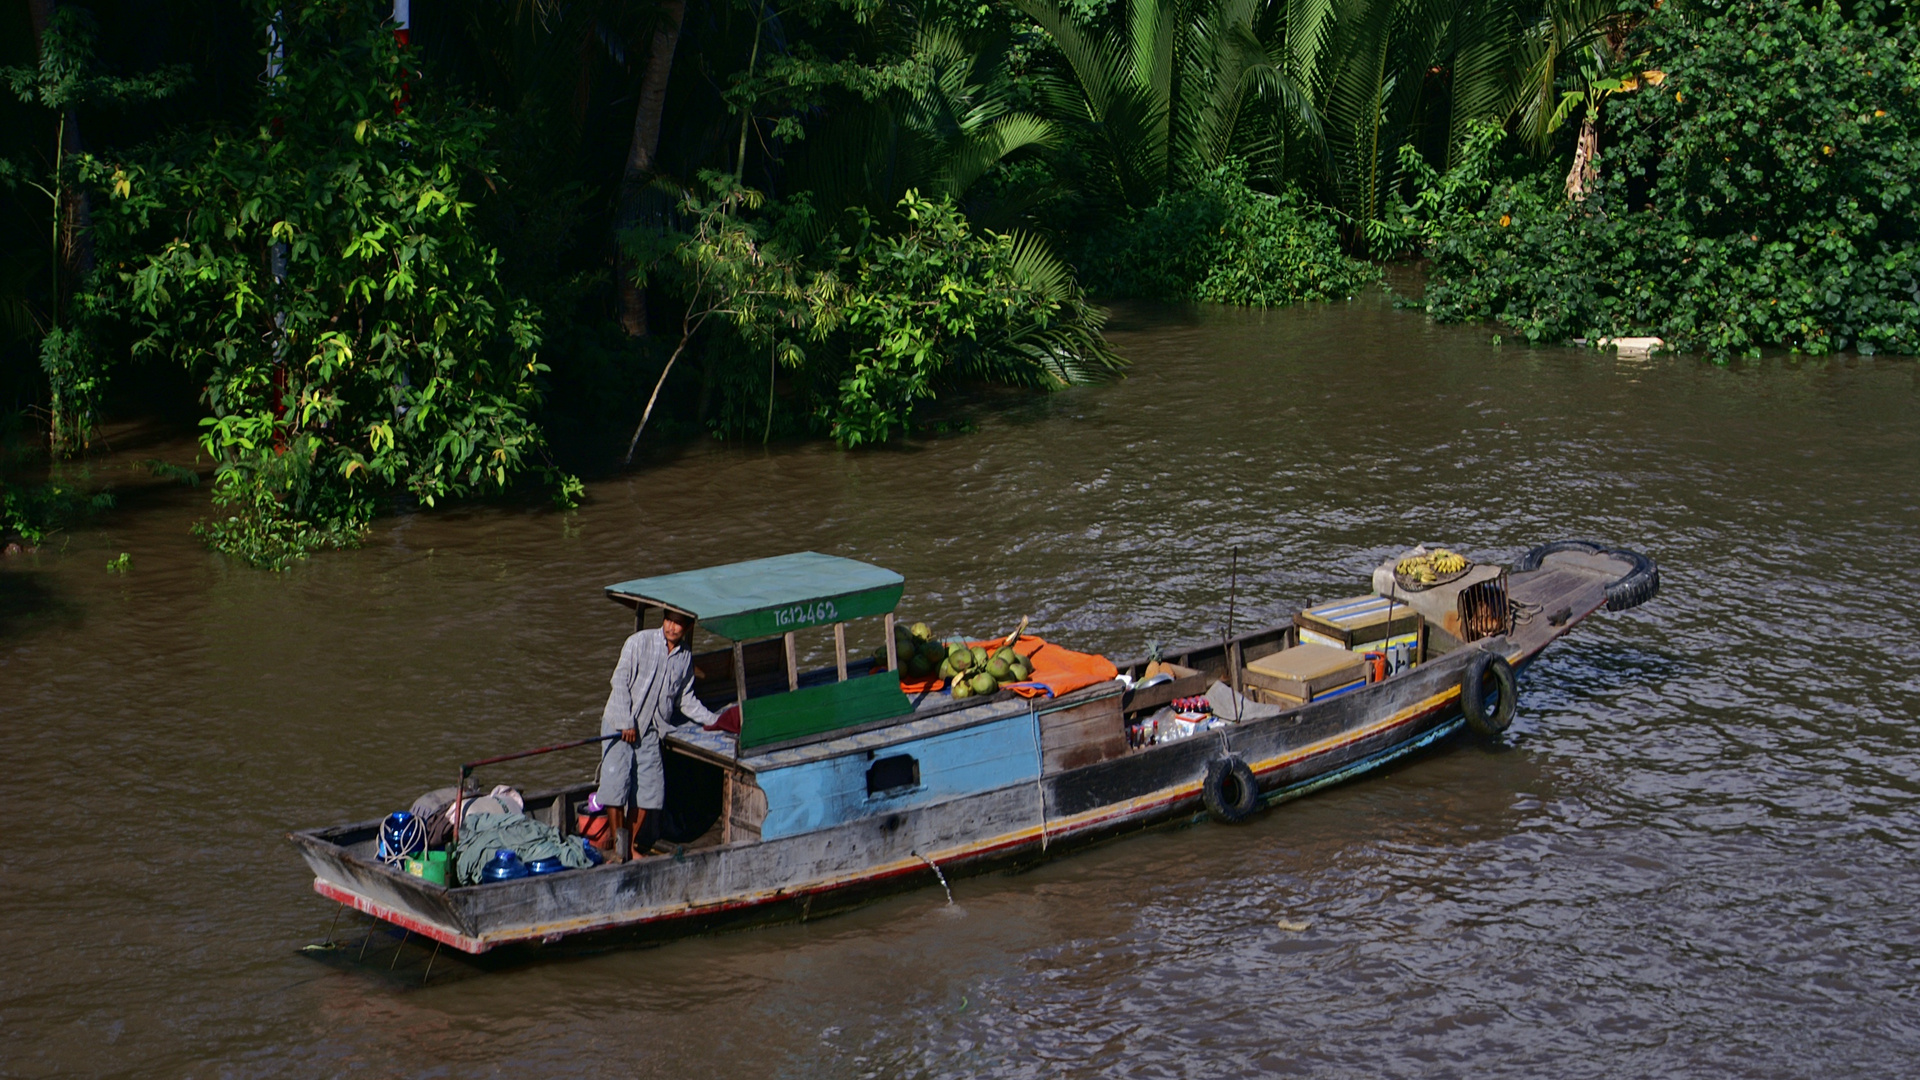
column 975, row 670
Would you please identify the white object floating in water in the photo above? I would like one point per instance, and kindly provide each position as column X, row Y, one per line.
column 1633, row 346
column 1295, row 925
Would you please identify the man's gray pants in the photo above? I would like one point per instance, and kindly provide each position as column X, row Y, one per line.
column 631, row 775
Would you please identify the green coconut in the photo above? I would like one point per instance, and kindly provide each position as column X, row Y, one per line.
column 1006, row 653
column 961, row 689
column 922, row 631
column 961, row 656
column 1020, row 669
column 984, row 683
column 998, row 668
column 979, row 654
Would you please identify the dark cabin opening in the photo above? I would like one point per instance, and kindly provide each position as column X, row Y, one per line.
column 892, row 773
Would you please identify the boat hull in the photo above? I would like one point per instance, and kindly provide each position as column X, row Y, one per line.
column 1056, row 811
column 812, row 873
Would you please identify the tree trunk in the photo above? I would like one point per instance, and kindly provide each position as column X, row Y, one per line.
column 1584, row 171
column 640, row 156
column 73, row 243
column 72, row 240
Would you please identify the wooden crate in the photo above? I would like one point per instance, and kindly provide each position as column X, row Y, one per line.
column 1288, row 701
column 1358, row 621
column 1305, row 671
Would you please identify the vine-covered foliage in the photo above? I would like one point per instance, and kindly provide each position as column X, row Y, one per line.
column 1220, row 240
column 31, row 511
column 872, row 330
column 1757, row 187
column 937, row 303
column 321, row 274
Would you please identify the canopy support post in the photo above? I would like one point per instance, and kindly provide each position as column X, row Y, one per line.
column 840, row 649
column 740, row 675
column 793, row 663
column 893, row 658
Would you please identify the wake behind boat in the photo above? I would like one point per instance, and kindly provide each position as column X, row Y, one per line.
column 882, row 773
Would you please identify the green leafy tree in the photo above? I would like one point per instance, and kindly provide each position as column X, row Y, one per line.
column 935, row 112
column 726, row 269
column 1220, row 240
column 871, row 332
column 321, row 272
column 1760, row 193
column 936, row 303
column 66, row 79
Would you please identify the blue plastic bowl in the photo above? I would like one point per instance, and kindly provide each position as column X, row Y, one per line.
column 549, row 865
column 504, row 866
column 594, row 856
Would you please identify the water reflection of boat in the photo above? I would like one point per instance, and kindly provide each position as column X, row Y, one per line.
column 839, row 787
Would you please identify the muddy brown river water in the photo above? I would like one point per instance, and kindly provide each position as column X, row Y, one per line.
column 1693, row 855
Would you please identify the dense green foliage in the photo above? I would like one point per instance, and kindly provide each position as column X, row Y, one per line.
column 320, row 275
column 876, row 328
column 1759, row 189
column 938, row 301
column 1222, row 241
column 550, row 231
column 31, row 511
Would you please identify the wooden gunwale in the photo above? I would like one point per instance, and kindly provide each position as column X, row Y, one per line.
column 1337, row 739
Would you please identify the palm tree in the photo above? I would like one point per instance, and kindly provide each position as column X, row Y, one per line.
column 1321, row 92
column 939, row 134
column 1587, row 36
column 1166, row 93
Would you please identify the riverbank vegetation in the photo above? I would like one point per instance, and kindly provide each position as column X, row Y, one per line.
column 516, row 241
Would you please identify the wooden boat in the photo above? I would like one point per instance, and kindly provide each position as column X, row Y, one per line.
column 839, row 787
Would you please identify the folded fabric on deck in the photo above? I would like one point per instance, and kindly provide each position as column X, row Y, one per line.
column 483, row 834
column 1056, row 670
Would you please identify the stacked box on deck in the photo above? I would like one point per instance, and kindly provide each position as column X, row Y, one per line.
column 1304, row 673
column 1360, row 624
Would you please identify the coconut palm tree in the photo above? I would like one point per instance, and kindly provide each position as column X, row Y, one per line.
column 938, row 133
column 1322, row 92
column 1175, row 86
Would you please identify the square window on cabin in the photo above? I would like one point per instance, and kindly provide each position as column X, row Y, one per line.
column 892, row 774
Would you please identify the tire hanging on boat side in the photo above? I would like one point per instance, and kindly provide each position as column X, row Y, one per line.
column 1473, row 694
column 1230, row 792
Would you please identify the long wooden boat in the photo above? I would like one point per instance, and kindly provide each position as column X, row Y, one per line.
column 839, row 787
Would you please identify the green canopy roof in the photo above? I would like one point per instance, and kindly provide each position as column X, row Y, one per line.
column 763, row 597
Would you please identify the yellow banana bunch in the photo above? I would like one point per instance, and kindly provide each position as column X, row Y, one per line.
column 1427, row 567
column 1418, row 568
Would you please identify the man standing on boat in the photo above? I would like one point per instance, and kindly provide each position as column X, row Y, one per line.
column 654, row 679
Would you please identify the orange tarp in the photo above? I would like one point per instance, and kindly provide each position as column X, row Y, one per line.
column 1056, row 671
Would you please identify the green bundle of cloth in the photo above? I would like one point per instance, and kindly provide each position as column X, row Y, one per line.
column 483, row 834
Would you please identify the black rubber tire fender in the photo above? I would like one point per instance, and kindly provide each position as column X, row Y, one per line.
column 1230, row 792
column 1483, row 720
column 1636, row 586
column 1531, row 561
column 1631, row 589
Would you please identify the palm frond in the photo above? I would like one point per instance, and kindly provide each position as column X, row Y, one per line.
column 983, row 149
column 1068, row 350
